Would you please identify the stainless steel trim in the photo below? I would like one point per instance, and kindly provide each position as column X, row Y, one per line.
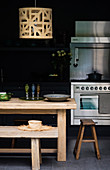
column 90, row 39
column 89, row 83
column 91, row 97
column 98, row 121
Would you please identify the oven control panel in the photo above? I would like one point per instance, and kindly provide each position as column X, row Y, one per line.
column 92, row 88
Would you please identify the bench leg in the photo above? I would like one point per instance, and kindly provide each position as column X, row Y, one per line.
column 35, row 154
column 13, row 143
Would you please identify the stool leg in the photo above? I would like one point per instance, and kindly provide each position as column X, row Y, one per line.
column 93, row 138
column 80, row 142
column 96, row 143
column 77, row 141
column 35, row 154
column 13, row 143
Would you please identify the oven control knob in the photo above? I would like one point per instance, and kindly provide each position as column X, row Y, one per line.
column 105, row 88
column 82, row 88
column 91, row 88
column 96, row 88
column 87, row 88
column 109, row 88
column 100, row 88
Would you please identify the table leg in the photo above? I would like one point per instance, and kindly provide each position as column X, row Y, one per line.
column 61, row 122
column 35, row 154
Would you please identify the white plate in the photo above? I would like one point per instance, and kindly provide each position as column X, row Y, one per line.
column 56, row 97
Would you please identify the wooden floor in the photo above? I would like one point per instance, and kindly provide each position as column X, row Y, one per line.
column 87, row 159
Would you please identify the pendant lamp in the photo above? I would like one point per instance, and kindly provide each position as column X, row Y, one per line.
column 35, row 23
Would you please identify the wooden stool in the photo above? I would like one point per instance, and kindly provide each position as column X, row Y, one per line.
column 86, row 122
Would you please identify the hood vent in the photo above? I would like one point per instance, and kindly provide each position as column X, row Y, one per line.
column 92, row 32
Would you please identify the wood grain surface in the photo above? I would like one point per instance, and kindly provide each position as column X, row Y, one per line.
column 14, row 132
column 16, row 103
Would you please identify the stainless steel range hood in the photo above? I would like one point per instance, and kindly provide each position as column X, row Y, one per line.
column 92, row 28
column 90, row 39
column 91, row 32
column 90, row 49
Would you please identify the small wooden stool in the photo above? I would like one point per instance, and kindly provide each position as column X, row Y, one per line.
column 86, row 122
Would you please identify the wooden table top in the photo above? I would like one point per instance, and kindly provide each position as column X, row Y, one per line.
column 16, row 103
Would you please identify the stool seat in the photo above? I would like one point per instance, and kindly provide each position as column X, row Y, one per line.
column 84, row 123
column 87, row 122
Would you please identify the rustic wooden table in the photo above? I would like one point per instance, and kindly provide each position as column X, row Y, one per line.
column 17, row 106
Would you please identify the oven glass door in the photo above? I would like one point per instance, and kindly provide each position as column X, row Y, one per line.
column 88, row 102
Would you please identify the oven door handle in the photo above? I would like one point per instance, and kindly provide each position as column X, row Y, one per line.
column 92, row 97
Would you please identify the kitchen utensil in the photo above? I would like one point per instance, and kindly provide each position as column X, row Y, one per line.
column 94, row 76
column 56, row 97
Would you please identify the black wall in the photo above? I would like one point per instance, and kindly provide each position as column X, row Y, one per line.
column 64, row 16
column 65, row 13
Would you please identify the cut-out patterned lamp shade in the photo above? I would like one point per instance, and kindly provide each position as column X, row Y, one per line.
column 35, row 23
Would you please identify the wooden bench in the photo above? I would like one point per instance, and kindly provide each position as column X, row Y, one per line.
column 35, row 136
column 80, row 138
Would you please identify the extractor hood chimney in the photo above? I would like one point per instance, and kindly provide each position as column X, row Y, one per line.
column 91, row 32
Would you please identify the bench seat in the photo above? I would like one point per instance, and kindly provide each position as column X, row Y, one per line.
column 35, row 136
column 14, row 132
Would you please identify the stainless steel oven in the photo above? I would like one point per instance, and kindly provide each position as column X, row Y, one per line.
column 90, row 50
column 87, row 96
